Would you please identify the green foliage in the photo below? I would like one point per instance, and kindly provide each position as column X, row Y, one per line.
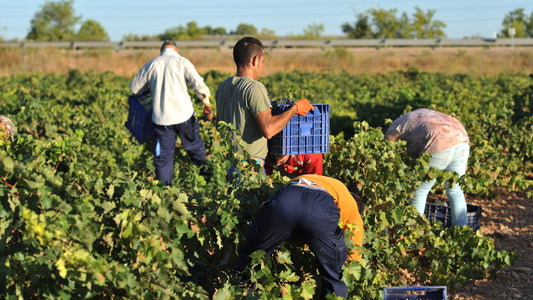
column 398, row 241
column 425, row 27
column 54, row 22
column 81, row 215
column 385, row 24
column 245, row 29
column 136, row 37
column 181, row 33
column 520, row 22
column 495, row 110
column 191, row 31
column 215, row 31
column 92, row 30
column 313, row 31
column 360, row 30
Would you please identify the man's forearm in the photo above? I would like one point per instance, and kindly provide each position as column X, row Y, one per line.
column 272, row 125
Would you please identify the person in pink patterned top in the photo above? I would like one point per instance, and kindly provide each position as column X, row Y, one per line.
column 7, row 128
column 445, row 138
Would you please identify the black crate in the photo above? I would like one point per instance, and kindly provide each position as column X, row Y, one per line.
column 415, row 292
column 139, row 121
column 303, row 134
column 443, row 213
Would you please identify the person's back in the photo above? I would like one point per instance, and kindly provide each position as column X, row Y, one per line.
column 7, row 128
column 173, row 115
column 445, row 138
column 167, row 76
column 243, row 99
column 427, row 130
column 316, row 209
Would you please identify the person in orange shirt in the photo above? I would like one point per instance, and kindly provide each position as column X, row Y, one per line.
column 317, row 209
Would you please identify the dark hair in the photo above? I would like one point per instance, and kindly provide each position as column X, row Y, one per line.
column 384, row 129
column 359, row 200
column 245, row 49
column 168, row 43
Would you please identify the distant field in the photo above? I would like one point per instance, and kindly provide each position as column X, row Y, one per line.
column 473, row 61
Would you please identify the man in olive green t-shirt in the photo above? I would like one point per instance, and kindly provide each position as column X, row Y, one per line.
column 243, row 101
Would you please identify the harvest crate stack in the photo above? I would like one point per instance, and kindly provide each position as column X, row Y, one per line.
column 303, row 134
column 443, row 213
column 139, row 121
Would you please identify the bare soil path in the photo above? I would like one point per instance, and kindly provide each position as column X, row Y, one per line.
column 508, row 219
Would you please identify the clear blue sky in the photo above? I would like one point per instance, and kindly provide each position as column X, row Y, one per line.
column 463, row 18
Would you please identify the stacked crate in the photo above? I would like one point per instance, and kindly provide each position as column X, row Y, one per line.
column 443, row 213
column 303, row 134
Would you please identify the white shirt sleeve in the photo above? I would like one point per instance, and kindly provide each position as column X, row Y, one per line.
column 197, row 82
column 140, row 82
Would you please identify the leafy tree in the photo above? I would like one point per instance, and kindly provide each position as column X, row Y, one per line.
column 54, row 22
column 136, row 37
column 518, row 20
column 245, row 29
column 215, row 31
column 91, row 30
column 360, row 30
column 529, row 25
column 313, row 31
column 173, row 33
column 267, row 34
column 425, row 27
column 381, row 23
column 407, row 28
column 385, row 23
column 191, row 32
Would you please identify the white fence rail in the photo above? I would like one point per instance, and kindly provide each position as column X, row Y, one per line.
column 361, row 43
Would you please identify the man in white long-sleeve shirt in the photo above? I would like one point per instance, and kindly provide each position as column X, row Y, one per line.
column 167, row 76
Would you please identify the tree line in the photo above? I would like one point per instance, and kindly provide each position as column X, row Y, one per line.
column 56, row 21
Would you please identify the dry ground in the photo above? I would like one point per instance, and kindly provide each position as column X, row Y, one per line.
column 475, row 61
column 508, row 219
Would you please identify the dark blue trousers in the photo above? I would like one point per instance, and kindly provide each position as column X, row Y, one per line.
column 165, row 144
column 310, row 214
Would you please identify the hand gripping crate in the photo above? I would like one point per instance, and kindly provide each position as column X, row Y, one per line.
column 139, row 121
column 443, row 213
column 415, row 292
column 303, row 134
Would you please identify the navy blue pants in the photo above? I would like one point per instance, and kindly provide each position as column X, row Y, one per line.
column 309, row 214
column 165, row 144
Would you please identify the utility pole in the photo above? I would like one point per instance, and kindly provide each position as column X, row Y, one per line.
column 5, row 33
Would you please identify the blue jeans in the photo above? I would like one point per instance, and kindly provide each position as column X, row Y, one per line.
column 452, row 159
column 310, row 214
column 165, row 144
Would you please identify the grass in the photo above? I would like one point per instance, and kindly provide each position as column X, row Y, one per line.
column 474, row 61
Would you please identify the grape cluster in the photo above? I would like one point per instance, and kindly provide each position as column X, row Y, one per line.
column 283, row 102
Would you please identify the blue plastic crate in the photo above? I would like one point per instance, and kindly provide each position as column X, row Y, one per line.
column 139, row 121
column 303, row 134
column 443, row 213
column 415, row 292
